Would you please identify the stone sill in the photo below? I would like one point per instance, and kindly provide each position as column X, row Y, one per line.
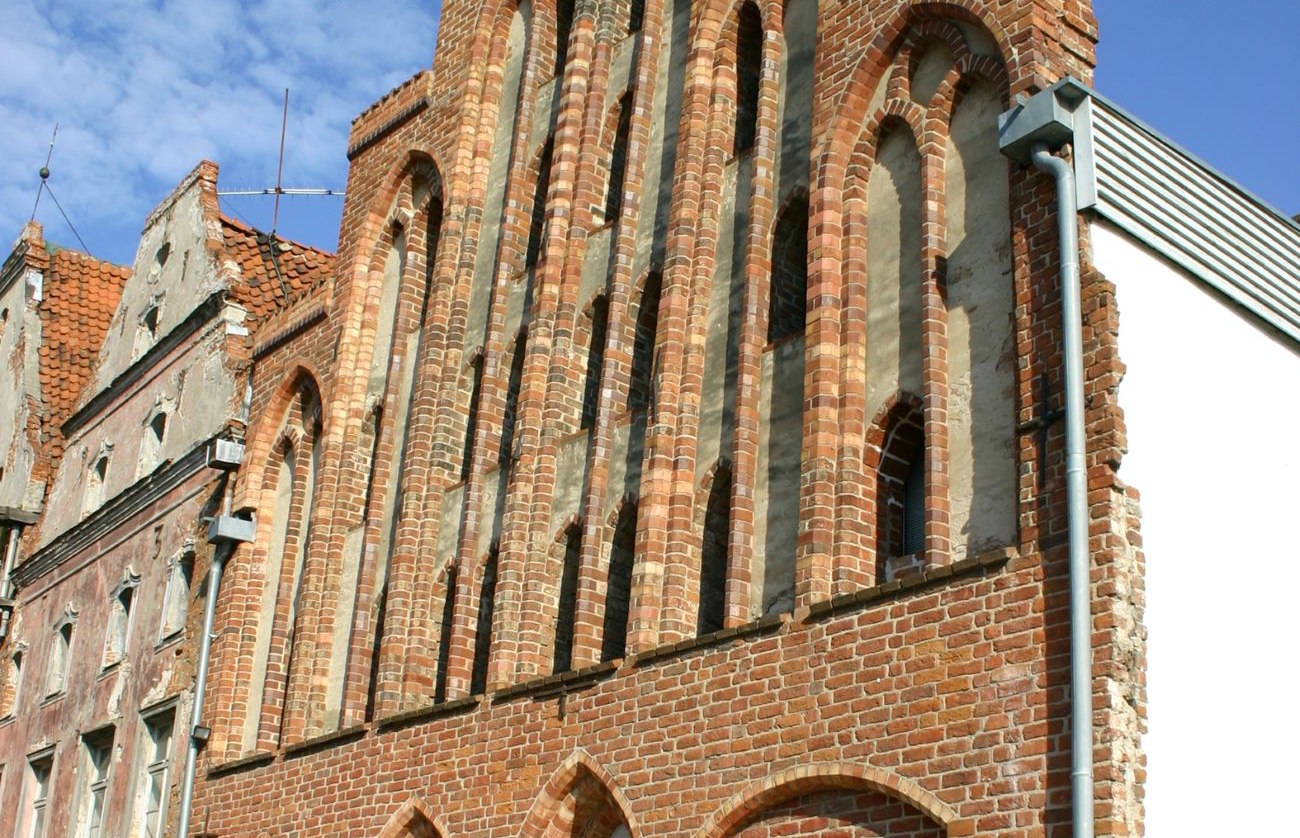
column 560, row 684
column 549, row 686
column 315, row 743
column 987, row 560
column 713, row 638
column 426, row 713
column 248, row 761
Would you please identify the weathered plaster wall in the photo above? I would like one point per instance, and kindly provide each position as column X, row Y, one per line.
column 181, row 230
column 154, row 670
column 192, row 383
column 20, row 341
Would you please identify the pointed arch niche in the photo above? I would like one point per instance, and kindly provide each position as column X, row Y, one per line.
column 396, row 298
column 288, row 487
column 837, row 798
column 927, row 222
column 413, row 820
column 580, row 800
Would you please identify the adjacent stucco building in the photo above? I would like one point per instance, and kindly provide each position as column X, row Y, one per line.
column 144, row 371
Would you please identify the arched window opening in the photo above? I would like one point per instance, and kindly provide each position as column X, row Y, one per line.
column 713, row 556
column 60, row 658
column 483, row 630
column 749, row 64
column 151, row 446
column 567, row 611
column 618, row 160
column 444, row 637
column 618, row 590
column 94, row 497
column 900, row 496
column 513, row 386
column 788, row 301
column 119, row 620
column 537, row 224
column 595, row 360
column 471, row 421
column 146, row 332
column 641, row 386
column 13, row 682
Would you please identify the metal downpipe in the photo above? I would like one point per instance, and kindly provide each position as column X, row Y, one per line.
column 1076, row 493
column 219, row 557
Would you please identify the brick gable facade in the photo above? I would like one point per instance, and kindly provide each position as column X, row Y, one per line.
column 845, row 676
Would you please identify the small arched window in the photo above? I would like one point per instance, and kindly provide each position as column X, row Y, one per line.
column 537, row 223
column 641, row 386
column 13, row 682
column 146, row 333
column 900, row 494
column 749, row 64
column 471, row 421
column 563, row 25
column 483, row 631
column 95, row 481
column 618, row 589
column 59, row 659
column 568, row 600
column 713, row 555
column 151, row 447
column 618, row 160
column 788, row 301
column 444, row 636
column 595, row 360
column 119, row 619
column 513, row 386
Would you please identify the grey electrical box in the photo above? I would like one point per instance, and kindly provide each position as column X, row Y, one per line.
column 227, row 529
column 225, row 454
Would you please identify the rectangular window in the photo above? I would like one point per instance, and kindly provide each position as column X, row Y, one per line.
column 154, row 779
column 42, row 769
column 99, row 753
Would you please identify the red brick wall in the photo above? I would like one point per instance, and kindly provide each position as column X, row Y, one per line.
column 943, row 700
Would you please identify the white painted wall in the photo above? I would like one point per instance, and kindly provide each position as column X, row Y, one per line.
column 1212, row 406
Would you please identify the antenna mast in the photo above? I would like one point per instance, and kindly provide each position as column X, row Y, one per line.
column 45, row 172
column 279, row 166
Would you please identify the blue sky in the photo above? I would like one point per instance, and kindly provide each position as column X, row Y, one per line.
column 143, row 90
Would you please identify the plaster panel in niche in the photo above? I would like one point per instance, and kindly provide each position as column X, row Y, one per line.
column 981, row 361
column 893, row 270
column 935, row 63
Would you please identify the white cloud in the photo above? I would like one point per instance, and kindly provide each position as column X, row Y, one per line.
column 143, row 90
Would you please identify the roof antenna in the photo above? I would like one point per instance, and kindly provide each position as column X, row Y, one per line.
column 45, row 173
column 279, row 166
column 273, row 242
column 45, row 187
column 270, row 240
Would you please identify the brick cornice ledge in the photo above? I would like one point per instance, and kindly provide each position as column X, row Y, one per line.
column 987, row 560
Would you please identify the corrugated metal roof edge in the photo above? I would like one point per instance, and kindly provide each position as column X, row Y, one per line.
column 1069, row 82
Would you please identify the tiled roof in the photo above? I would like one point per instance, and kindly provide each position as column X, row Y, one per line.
column 80, row 295
column 260, row 288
